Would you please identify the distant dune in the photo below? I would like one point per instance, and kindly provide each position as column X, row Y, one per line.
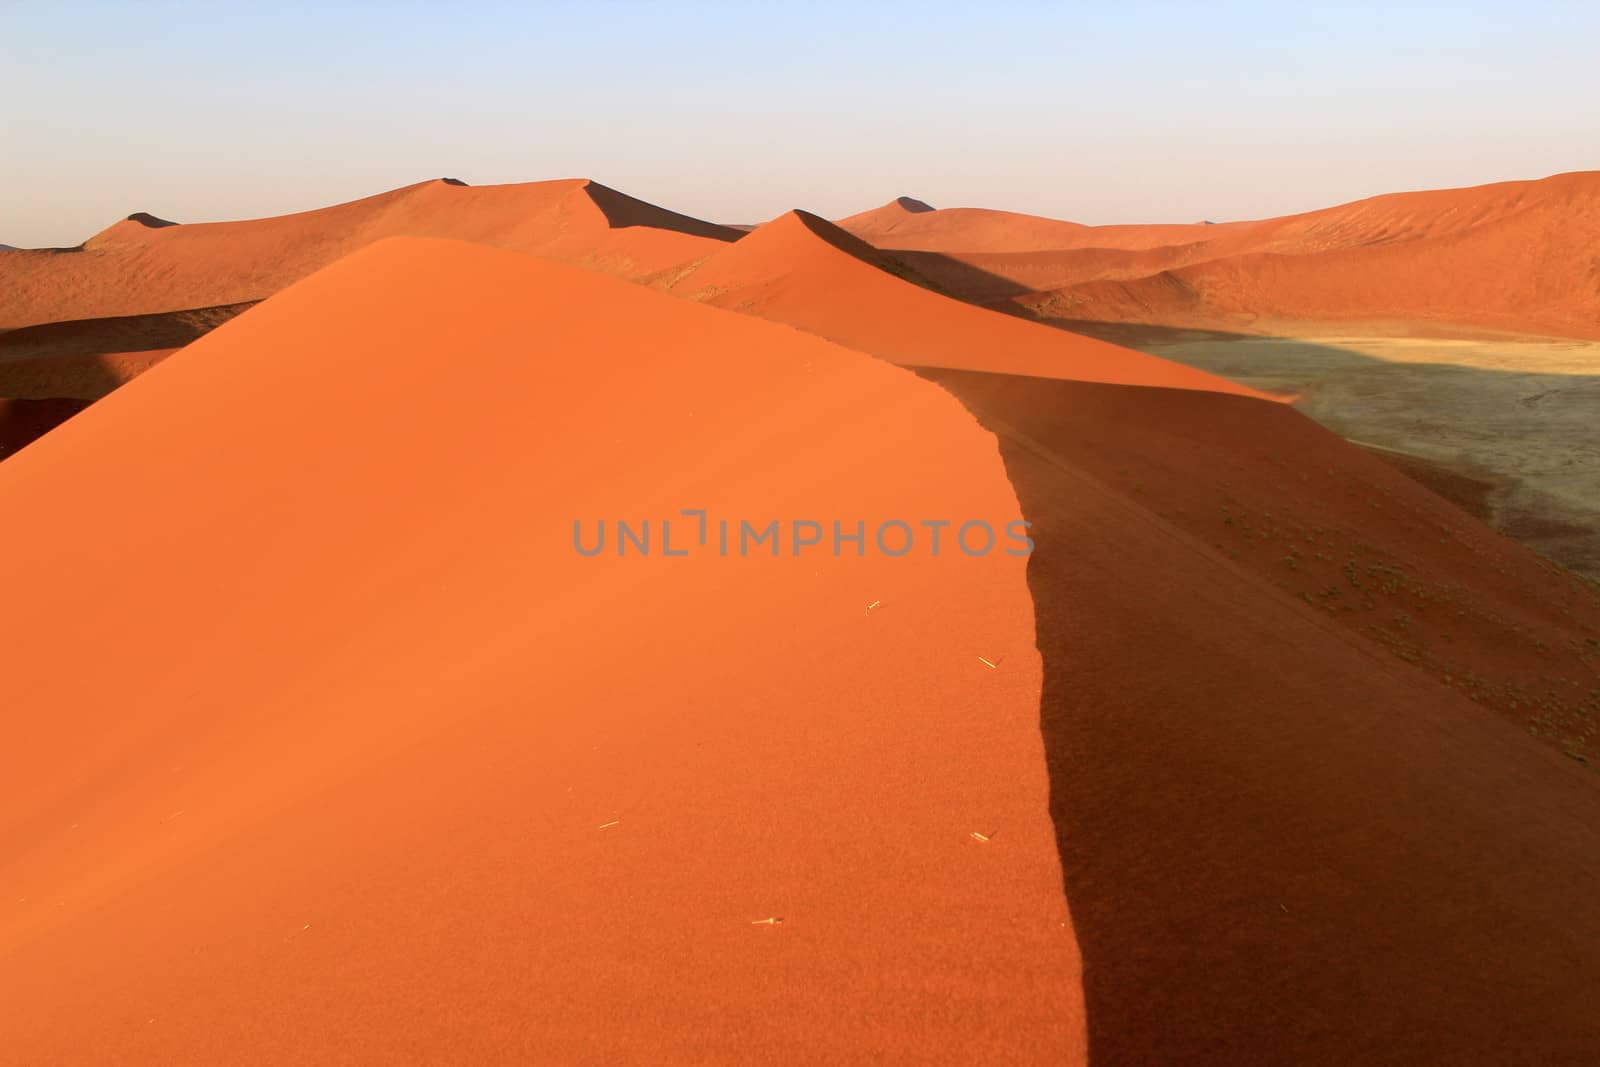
column 910, row 224
column 130, row 229
column 1514, row 256
column 805, row 271
column 141, row 266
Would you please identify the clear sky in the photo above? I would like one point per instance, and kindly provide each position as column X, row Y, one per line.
column 1098, row 112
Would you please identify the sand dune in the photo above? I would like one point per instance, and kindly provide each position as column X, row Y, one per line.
column 805, row 271
column 139, row 267
column 351, row 756
column 1513, row 256
column 899, row 225
column 1281, row 843
column 129, row 230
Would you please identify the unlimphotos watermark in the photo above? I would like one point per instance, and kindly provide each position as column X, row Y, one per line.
column 741, row 537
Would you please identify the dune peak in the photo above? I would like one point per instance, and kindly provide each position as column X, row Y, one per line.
column 131, row 228
column 149, row 221
column 622, row 211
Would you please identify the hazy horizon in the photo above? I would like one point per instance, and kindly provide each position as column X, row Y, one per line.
column 1157, row 112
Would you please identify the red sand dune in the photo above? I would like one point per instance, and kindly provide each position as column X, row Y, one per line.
column 1513, row 256
column 805, row 271
column 142, row 264
column 329, row 747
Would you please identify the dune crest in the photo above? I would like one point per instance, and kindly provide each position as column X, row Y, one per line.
column 127, row 229
column 360, row 758
column 807, row 272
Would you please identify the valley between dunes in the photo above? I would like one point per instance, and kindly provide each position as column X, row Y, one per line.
column 326, row 746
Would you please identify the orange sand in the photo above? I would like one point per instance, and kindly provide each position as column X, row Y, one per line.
column 333, row 748
column 804, row 271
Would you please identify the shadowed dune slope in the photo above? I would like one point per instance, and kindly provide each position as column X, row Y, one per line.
column 805, row 271
column 1512, row 256
column 87, row 358
column 1281, row 843
column 1333, row 528
column 138, row 267
column 25, row 420
column 328, row 746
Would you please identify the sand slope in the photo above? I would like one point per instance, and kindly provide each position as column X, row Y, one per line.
column 1282, row 843
column 143, row 265
column 805, row 271
column 318, row 717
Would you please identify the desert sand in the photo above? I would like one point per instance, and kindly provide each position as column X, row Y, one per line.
column 354, row 754
column 333, row 748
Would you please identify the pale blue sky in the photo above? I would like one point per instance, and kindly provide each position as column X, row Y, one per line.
column 1099, row 112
